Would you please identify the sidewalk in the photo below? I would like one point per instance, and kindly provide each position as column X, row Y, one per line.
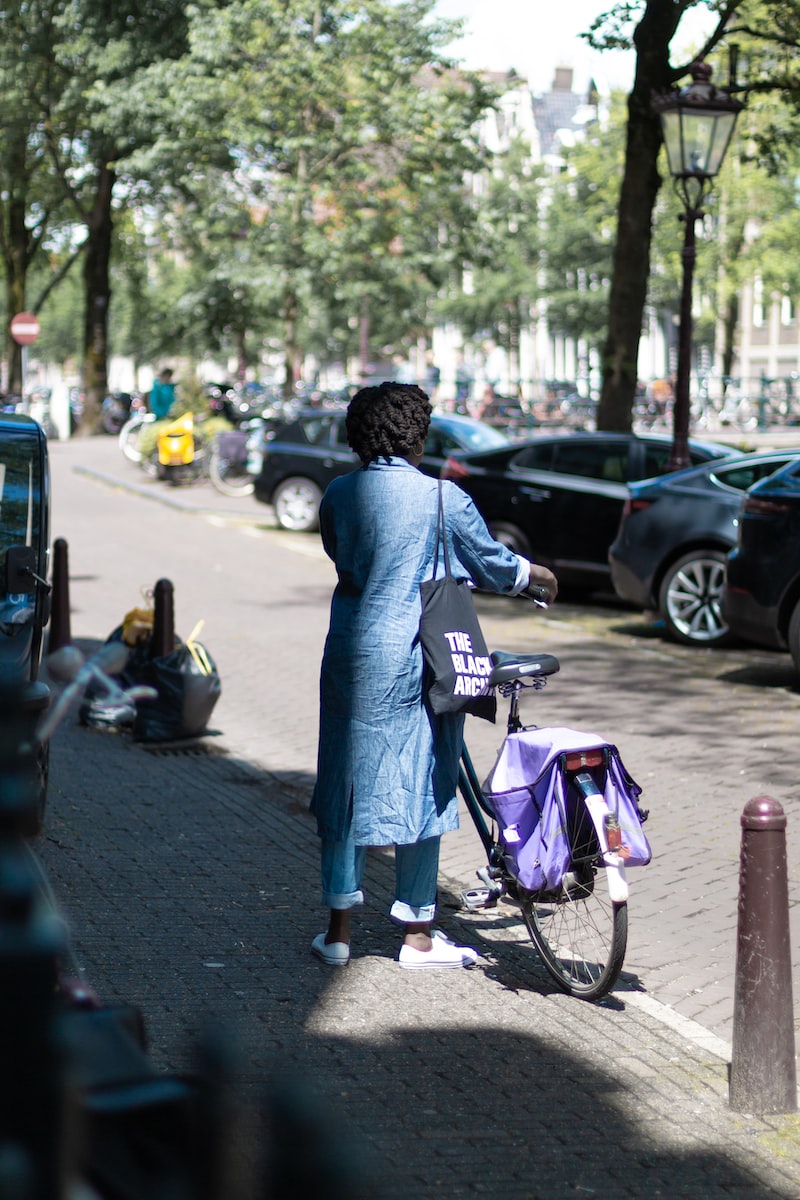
column 188, row 876
column 189, row 883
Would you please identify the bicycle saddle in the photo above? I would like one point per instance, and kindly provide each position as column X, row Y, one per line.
column 506, row 667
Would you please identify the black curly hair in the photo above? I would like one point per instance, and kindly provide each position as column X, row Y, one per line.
column 391, row 418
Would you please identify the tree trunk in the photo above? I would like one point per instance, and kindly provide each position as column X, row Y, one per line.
column 16, row 257
column 291, row 350
column 730, row 324
column 241, row 355
column 363, row 341
column 97, row 292
column 640, row 184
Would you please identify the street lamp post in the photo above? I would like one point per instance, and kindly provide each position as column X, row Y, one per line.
column 697, row 123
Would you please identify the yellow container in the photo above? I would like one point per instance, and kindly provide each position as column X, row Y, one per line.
column 176, row 443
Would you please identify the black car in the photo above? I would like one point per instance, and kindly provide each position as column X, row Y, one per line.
column 24, row 593
column 674, row 536
column 557, row 499
column 761, row 592
column 304, row 456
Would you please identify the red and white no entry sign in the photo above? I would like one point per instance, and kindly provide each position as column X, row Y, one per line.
column 25, row 328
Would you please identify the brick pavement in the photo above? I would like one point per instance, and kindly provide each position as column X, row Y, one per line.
column 169, row 864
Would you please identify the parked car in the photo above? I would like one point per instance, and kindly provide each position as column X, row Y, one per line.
column 674, row 536
column 761, row 592
column 308, row 452
column 24, row 593
column 558, row 498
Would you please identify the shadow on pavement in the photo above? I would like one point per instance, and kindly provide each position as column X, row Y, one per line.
column 782, row 674
column 189, row 883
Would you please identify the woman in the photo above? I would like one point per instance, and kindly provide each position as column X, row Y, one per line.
column 387, row 766
column 162, row 395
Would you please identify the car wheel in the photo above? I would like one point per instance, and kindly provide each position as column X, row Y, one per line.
column 509, row 535
column 296, row 503
column 793, row 636
column 690, row 599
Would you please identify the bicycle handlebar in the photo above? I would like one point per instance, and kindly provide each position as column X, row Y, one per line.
column 539, row 594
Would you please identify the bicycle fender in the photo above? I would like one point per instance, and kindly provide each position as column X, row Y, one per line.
column 615, row 870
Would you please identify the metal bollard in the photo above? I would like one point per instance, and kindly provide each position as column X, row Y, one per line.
column 60, row 632
column 763, row 1073
column 162, row 641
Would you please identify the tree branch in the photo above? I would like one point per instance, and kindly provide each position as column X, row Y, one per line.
column 60, row 274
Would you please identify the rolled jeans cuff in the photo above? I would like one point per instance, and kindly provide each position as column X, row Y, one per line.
column 342, row 899
column 410, row 914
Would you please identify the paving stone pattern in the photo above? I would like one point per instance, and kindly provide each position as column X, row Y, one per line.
column 189, row 880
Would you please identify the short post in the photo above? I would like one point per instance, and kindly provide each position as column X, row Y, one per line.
column 162, row 641
column 60, row 632
column 762, row 403
column 763, row 1074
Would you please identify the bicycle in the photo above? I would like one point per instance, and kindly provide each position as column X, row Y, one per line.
column 128, row 439
column 576, row 916
column 229, row 462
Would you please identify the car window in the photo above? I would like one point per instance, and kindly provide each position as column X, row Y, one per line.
column 536, row 457
column 438, row 445
column 743, row 477
column 317, row 430
column 339, row 435
column 20, row 493
column 593, row 459
column 656, row 457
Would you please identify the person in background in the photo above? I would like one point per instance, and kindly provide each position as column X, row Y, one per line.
column 464, row 381
column 162, row 395
column 433, row 377
column 486, row 409
column 403, row 371
column 387, row 765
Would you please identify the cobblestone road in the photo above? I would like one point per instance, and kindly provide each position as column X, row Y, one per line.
column 701, row 731
column 189, row 880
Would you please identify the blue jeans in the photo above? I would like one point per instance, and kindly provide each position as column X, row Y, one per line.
column 416, row 874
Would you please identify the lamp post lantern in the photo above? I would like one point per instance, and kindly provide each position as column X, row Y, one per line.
column 697, row 123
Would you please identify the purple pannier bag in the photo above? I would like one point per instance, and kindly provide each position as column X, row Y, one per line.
column 526, row 791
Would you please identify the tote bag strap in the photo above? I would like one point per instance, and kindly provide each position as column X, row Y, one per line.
column 441, row 532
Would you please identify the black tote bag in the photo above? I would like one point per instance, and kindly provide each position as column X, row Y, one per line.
column 457, row 663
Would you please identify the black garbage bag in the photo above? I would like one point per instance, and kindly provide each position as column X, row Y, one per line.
column 188, row 686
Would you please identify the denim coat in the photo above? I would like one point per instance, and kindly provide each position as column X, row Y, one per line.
column 384, row 758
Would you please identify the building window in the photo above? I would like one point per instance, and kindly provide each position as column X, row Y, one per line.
column 788, row 311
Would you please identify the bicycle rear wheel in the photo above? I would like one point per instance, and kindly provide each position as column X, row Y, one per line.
column 128, row 439
column 229, row 477
column 579, row 932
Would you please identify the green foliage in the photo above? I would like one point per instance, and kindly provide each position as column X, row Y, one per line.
column 302, row 173
column 347, row 196
column 504, row 260
column 580, row 232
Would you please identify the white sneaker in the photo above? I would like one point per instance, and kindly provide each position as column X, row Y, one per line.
column 443, row 953
column 335, row 954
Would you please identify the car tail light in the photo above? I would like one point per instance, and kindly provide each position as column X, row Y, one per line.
column 754, row 506
column 454, row 469
column 632, row 505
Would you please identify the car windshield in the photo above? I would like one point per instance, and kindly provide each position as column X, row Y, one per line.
column 472, row 435
column 20, row 491
column 743, row 476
